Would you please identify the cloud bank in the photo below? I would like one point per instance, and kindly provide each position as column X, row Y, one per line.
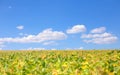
column 49, row 37
column 99, row 36
column 45, row 35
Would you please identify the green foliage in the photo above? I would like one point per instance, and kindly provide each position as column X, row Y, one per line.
column 73, row 62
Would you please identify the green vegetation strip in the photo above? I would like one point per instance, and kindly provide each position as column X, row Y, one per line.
column 64, row 62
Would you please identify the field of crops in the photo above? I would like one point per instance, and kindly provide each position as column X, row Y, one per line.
column 72, row 62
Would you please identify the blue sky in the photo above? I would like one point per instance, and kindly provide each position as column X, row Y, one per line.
column 59, row 24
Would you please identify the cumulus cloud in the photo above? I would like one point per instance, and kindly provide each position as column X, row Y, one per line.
column 99, row 36
column 53, row 49
column 20, row 27
column 1, row 45
column 30, row 48
column 96, row 35
column 22, row 34
column 80, row 48
column 76, row 29
column 106, row 40
column 98, row 30
column 103, row 38
column 50, row 43
column 45, row 35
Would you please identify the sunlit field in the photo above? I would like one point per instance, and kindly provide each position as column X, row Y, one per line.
column 60, row 62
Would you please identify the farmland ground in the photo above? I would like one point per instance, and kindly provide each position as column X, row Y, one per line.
column 60, row 62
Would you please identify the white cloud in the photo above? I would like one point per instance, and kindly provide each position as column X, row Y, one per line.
column 80, row 48
column 36, row 48
column 76, row 29
column 30, row 48
column 53, row 49
column 46, row 35
column 107, row 40
column 103, row 38
column 20, row 27
column 22, row 34
column 99, row 36
column 68, row 49
column 50, row 43
column 1, row 45
column 96, row 35
column 98, row 30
